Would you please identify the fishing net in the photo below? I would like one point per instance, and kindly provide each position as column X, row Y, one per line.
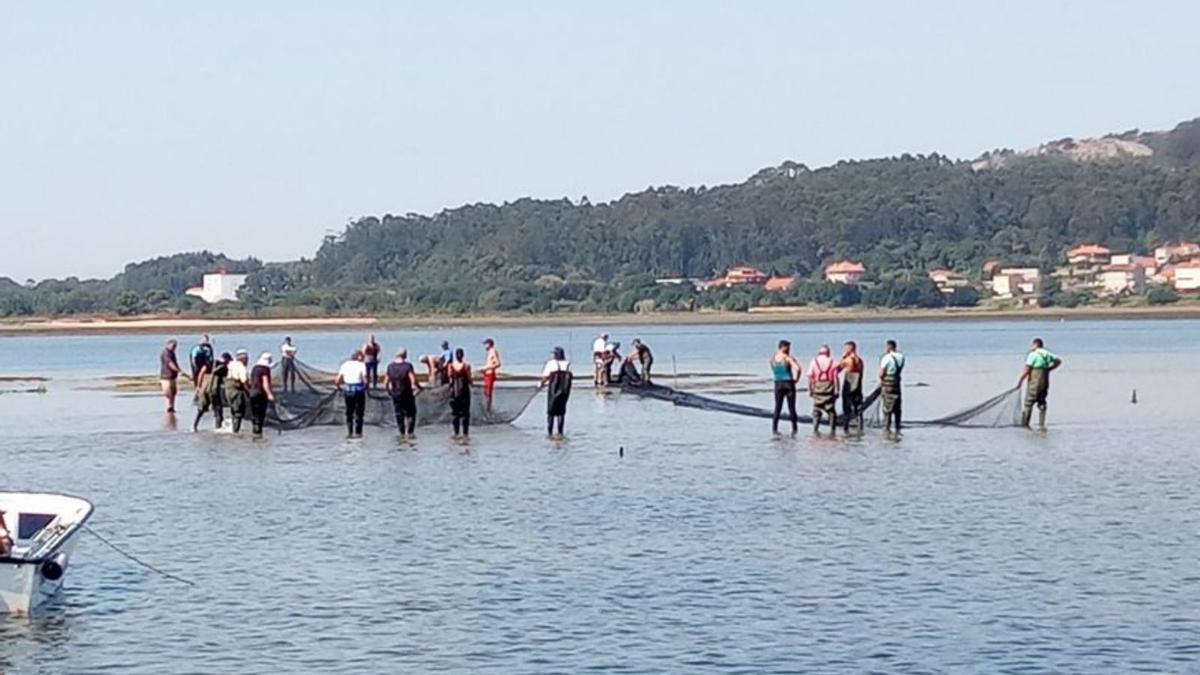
column 315, row 401
column 1001, row 410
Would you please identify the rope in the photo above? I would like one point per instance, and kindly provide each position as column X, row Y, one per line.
column 135, row 559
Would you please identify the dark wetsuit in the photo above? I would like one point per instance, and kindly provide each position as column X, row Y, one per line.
column 785, row 390
column 258, row 398
column 558, row 392
column 460, row 398
column 404, row 399
column 852, row 393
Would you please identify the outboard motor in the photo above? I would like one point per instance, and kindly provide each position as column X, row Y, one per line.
column 54, row 568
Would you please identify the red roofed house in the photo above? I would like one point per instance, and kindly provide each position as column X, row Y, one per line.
column 845, row 272
column 735, row 276
column 1089, row 254
column 1185, row 250
column 779, row 283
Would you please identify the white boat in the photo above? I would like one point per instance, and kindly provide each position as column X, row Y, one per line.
column 44, row 529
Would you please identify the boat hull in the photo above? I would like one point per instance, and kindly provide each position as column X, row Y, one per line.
column 33, row 572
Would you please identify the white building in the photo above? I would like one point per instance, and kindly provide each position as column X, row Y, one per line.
column 1187, row 277
column 1122, row 279
column 219, row 286
column 1021, row 283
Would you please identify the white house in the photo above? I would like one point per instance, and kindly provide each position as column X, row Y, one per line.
column 1122, row 279
column 1187, row 277
column 1022, row 283
column 218, row 286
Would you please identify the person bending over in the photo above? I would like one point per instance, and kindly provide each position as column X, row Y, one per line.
column 352, row 380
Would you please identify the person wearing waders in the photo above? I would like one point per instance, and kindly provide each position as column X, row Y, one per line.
column 823, row 389
column 237, row 388
column 852, row 394
column 556, row 377
column 890, row 369
column 1038, row 365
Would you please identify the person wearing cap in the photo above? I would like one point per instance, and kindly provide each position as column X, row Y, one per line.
column 556, row 377
column 237, row 387
column 491, row 366
column 211, row 392
column 599, row 346
column 784, row 369
column 823, row 388
column 402, row 385
column 261, row 396
column 352, row 380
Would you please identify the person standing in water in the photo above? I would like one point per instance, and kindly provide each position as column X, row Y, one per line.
column 491, row 366
column 852, row 394
column 401, row 383
column 370, row 351
column 645, row 358
column 1038, row 365
column 287, row 364
column 891, row 367
column 201, row 357
column 823, row 388
column 261, row 395
column 212, row 391
column 168, row 374
column 599, row 347
column 557, row 377
column 784, row 368
column 353, row 380
column 459, row 372
column 237, row 387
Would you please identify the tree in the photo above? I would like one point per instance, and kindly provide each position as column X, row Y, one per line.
column 129, row 303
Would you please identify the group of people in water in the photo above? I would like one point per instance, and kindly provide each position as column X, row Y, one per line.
column 830, row 379
column 229, row 381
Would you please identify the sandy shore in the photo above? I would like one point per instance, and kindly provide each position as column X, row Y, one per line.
column 156, row 324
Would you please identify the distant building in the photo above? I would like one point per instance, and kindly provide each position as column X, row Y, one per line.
column 845, row 272
column 1123, row 279
column 948, row 280
column 779, row 283
column 680, row 281
column 1089, row 254
column 989, row 269
column 1022, row 284
column 737, row 276
column 218, row 286
column 1180, row 252
column 1187, row 277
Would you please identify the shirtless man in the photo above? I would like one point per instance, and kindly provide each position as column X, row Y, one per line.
column 491, row 365
column 852, row 381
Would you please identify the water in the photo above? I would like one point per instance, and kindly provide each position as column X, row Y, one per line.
column 709, row 546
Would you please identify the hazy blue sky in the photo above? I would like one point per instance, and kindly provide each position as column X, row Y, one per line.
column 135, row 129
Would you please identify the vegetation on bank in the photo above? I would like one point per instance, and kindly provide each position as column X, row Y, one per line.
column 901, row 216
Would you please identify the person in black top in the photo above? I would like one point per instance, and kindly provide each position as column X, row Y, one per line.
column 261, row 395
column 459, row 372
column 402, row 385
column 556, row 377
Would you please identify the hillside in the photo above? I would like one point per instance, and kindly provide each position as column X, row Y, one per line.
column 900, row 215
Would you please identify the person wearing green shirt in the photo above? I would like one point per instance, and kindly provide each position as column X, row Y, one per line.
column 1038, row 365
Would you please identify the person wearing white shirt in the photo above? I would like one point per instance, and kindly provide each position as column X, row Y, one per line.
column 556, row 376
column 352, row 380
column 599, row 345
column 287, row 364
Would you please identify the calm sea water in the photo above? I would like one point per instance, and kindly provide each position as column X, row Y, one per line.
column 710, row 546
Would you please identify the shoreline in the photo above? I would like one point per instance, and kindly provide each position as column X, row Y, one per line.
column 107, row 325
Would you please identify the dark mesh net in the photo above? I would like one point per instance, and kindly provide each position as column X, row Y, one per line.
column 316, row 401
column 1002, row 410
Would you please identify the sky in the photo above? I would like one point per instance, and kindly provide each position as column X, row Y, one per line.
column 130, row 130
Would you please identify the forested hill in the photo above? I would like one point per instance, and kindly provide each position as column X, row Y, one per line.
column 901, row 216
